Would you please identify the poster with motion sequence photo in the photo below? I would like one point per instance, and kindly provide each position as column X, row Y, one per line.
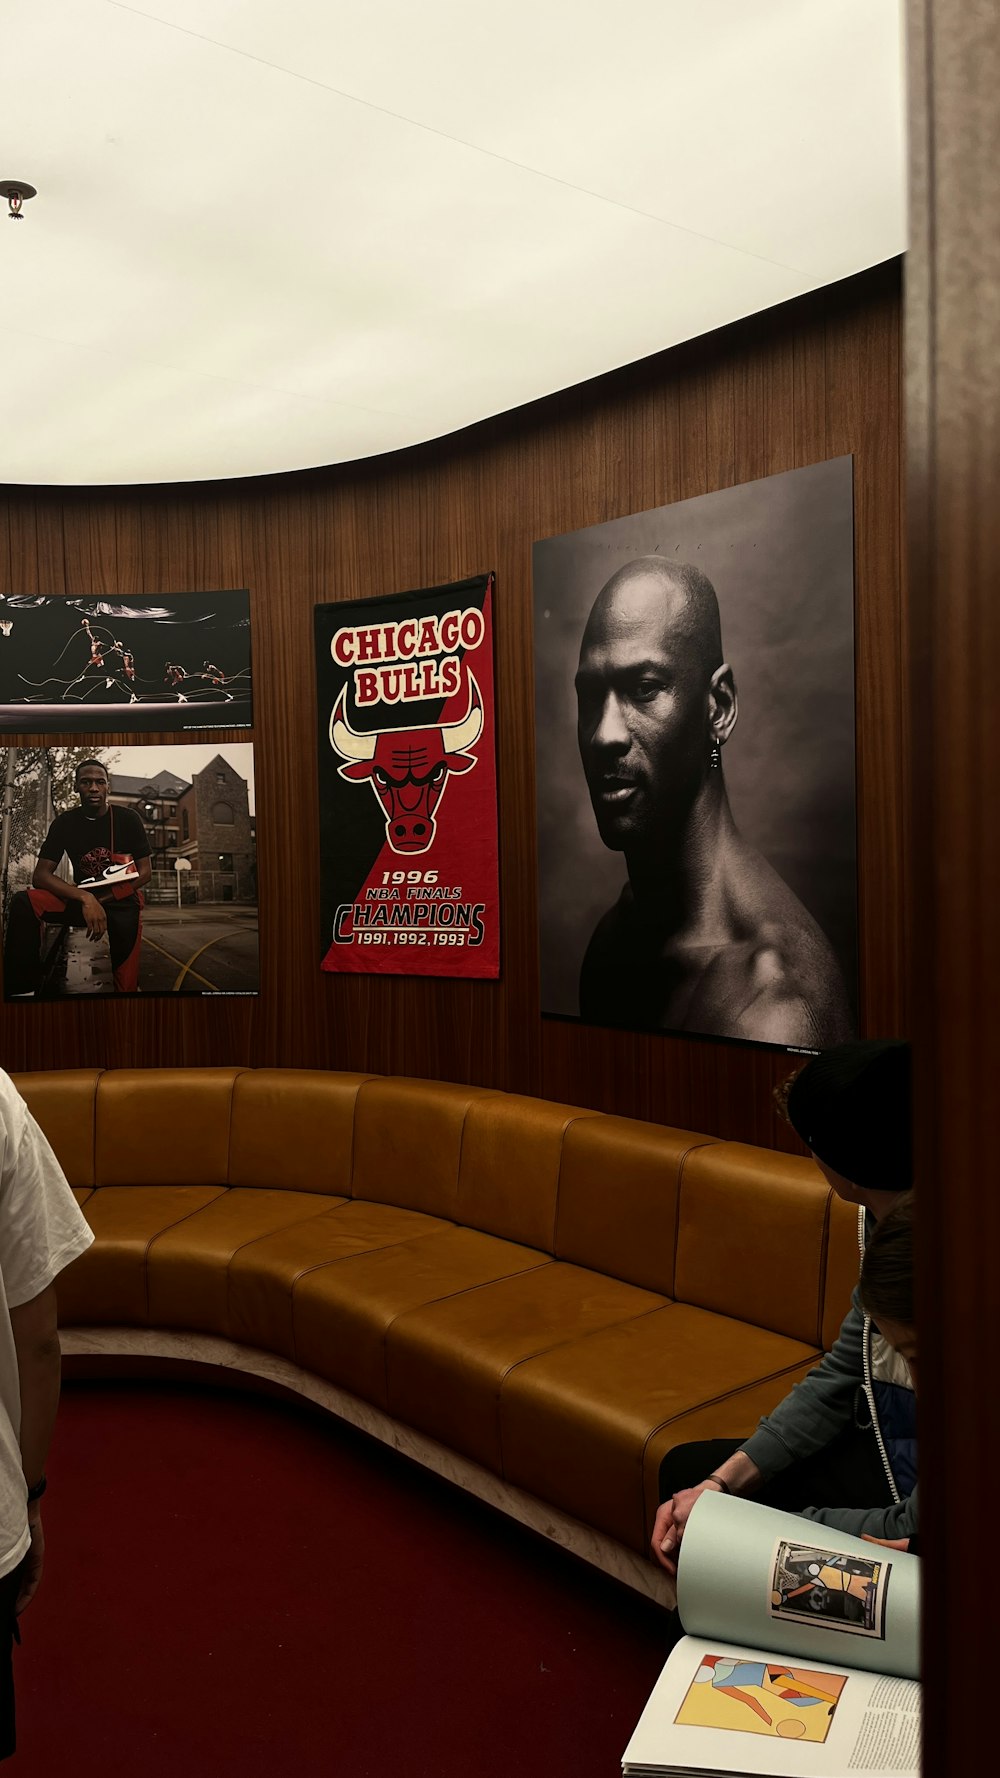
column 78, row 665
column 407, row 783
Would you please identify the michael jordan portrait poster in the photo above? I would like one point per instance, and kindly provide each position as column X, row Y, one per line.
column 407, row 783
column 695, row 763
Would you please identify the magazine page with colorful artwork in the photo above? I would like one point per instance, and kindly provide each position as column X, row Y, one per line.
column 723, row 1709
column 751, row 1574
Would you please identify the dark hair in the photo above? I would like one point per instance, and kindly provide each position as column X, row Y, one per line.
column 99, row 763
column 887, row 1267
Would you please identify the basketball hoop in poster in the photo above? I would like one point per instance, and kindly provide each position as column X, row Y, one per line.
column 407, row 783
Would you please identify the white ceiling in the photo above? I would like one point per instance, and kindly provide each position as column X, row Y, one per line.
column 277, row 233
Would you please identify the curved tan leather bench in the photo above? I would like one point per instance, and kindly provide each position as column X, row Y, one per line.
column 537, row 1300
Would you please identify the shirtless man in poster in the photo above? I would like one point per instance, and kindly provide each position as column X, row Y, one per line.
column 705, row 936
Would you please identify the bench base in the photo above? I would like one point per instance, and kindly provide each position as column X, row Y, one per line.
column 93, row 1351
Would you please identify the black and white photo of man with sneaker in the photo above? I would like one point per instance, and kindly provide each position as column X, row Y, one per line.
column 109, row 854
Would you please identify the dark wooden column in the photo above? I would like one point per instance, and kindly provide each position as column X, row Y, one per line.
column 953, row 493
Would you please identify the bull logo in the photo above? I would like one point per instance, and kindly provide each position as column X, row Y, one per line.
column 408, row 768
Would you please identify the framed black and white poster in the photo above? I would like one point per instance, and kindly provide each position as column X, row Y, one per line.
column 695, row 762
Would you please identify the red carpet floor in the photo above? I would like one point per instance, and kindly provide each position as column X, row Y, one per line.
column 237, row 1587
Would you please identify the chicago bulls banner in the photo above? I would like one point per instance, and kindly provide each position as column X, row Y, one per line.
column 407, row 783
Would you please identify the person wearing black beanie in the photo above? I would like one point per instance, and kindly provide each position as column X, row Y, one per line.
column 841, row 1447
column 851, row 1107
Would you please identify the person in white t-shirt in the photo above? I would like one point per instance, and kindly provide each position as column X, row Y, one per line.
column 41, row 1231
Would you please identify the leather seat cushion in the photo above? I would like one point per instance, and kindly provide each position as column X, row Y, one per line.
column 63, row 1102
column 107, row 1284
column 508, row 1180
column 619, row 1182
column 408, row 1143
column 728, row 1416
column 751, row 1237
column 188, row 1265
column 263, row 1274
column 164, row 1126
column 575, row 1422
column 342, row 1313
column 447, row 1362
column 294, row 1128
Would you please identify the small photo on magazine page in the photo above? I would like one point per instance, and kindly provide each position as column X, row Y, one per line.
column 761, row 1698
column 818, row 1586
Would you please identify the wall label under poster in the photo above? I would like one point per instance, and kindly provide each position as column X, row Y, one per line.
column 407, row 782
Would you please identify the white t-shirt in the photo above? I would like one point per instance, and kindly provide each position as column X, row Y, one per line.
column 41, row 1230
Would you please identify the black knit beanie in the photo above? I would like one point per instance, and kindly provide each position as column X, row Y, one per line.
column 851, row 1106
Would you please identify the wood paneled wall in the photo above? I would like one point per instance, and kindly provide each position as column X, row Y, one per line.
column 814, row 379
column 953, row 476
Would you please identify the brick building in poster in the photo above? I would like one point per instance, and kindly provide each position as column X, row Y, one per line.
column 207, row 821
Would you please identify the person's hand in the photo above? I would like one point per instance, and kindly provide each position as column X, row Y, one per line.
column 95, row 916
column 888, row 1543
column 31, row 1567
column 672, row 1517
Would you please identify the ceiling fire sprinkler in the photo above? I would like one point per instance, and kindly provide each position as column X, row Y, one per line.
column 17, row 192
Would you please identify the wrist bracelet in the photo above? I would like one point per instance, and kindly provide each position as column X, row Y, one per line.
column 38, row 1490
column 726, row 1489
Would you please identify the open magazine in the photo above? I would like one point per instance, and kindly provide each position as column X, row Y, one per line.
column 801, row 1654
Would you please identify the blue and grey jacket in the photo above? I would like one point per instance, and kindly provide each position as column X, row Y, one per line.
column 860, row 1381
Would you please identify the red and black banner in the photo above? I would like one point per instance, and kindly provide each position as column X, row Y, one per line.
column 407, row 783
